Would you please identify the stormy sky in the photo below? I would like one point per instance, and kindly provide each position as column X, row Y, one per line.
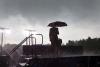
column 82, row 17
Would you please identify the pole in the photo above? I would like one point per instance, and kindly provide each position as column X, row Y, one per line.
column 2, row 36
column 1, row 42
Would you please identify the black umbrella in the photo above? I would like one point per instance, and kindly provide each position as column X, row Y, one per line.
column 57, row 24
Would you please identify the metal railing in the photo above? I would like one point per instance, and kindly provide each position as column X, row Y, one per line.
column 15, row 48
column 30, row 37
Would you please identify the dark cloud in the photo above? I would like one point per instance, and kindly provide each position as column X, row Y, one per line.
column 30, row 8
column 51, row 9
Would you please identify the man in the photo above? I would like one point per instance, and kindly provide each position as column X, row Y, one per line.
column 53, row 35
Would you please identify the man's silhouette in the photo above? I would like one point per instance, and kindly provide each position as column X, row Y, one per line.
column 53, row 34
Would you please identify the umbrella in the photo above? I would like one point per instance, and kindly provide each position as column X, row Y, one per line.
column 57, row 24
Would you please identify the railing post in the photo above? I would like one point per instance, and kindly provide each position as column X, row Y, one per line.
column 41, row 36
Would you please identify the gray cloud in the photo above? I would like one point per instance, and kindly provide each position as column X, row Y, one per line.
column 44, row 9
column 41, row 9
column 80, row 12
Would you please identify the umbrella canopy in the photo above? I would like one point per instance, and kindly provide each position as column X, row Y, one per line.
column 57, row 24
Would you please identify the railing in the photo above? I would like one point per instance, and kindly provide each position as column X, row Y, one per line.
column 41, row 36
column 14, row 49
column 30, row 42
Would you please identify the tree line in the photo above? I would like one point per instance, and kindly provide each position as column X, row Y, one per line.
column 89, row 42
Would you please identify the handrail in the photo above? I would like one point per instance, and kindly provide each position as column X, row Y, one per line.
column 15, row 48
column 30, row 36
column 31, row 40
column 41, row 36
